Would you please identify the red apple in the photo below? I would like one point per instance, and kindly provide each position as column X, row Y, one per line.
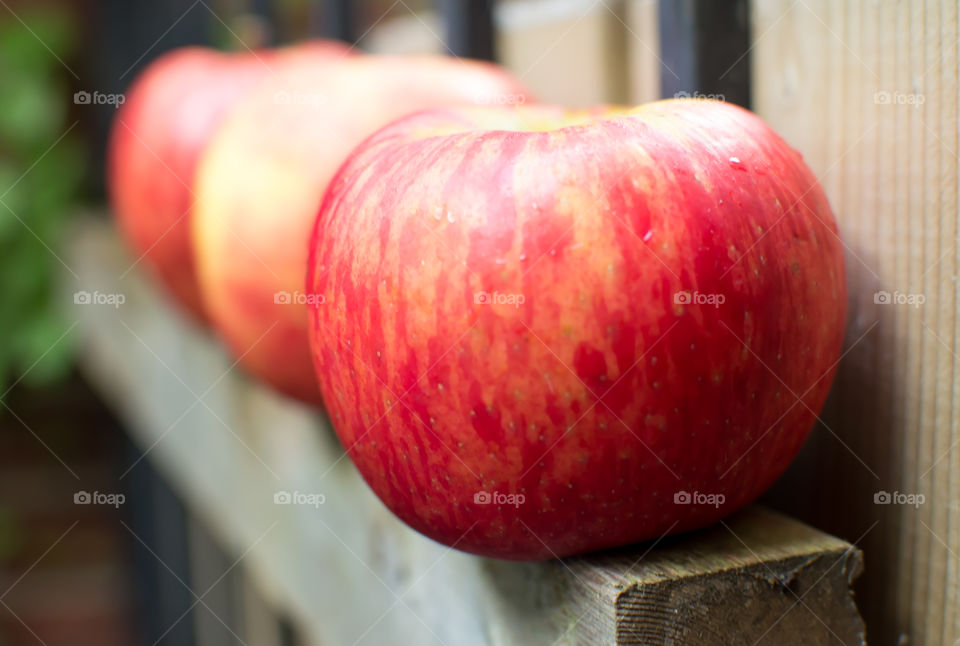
column 542, row 333
column 262, row 179
column 168, row 117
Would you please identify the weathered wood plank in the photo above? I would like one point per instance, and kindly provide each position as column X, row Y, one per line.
column 348, row 571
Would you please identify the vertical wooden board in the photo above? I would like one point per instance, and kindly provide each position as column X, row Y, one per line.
column 405, row 33
column 913, row 211
column 806, row 94
column 643, row 50
column 951, row 458
column 926, row 330
column 569, row 52
column 867, row 91
column 943, row 113
column 896, row 175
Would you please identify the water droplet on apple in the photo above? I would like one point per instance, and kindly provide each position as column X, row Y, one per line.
column 737, row 164
column 648, row 235
column 450, row 217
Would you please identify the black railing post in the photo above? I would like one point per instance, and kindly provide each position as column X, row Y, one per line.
column 706, row 44
column 468, row 25
column 335, row 19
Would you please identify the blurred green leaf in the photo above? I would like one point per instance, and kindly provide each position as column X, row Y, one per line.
column 10, row 533
column 39, row 176
column 36, row 40
column 28, row 112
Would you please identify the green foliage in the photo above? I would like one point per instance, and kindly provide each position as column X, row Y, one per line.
column 38, row 181
column 10, row 534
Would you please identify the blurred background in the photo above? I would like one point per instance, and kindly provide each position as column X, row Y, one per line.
column 117, row 574
column 148, row 569
column 100, row 574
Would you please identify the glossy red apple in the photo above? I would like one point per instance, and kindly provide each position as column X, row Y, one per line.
column 543, row 333
column 169, row 115
column 262, row 180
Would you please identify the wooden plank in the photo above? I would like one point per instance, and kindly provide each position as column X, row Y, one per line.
column 868, row 92
column 643, row 51
column 406, row 33
column 569, row 52
column 347, row 571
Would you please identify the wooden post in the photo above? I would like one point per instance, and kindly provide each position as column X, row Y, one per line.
column 868, row 92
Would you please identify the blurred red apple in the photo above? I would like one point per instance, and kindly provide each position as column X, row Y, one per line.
column 169, row 115
column 262, row 179
column 543, row 333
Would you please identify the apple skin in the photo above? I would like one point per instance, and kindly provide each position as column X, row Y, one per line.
column 599, row 398
column 170, row 113
column 262, row 180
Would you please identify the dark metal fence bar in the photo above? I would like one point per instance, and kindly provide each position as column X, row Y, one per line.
column 157, row 517
column 469, row 28
column 337, row 19
column 706, row 44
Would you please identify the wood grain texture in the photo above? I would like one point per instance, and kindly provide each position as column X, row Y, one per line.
column 643, row 50
column 868, row 92
column 568, row 52
column 348, row 572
